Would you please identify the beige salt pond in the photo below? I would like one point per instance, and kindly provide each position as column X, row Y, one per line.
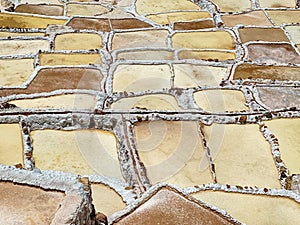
column 80, row 152
column 287, row 131
column 254, row 209
column 171, row 152
column 22, row 204
column 11, row 146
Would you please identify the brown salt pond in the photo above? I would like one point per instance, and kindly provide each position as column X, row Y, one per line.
column 56, row 59
column 21, row 204
column 254, row 209
column 169, row 207
column 257, row 18
column 254, row 71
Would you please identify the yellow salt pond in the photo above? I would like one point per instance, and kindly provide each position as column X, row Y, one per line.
column 287, row 132
column 203, row 40
column 12, row 75
column 11, row 147
column 233, row 5
column 206, row 55
column 294, row 31
column 141, row 78
column 241, row 155
column 80, row 152
column 23, row 47
column 171, row 17
column 69, row 101
column 171, row 152
column 77, row 41
column 220, row 100
column 156, row 6
column 284, row 16
column 27, row 21
column 85, row 9
column 55, row 59
column 188, row 75
column 153, row 102
column 106, row 200
column 254, row 209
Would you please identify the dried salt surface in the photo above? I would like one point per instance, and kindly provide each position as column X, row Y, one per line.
column 21, row 204
column 23, row 47
column 153, row 102
column 220, row 100
column 287, row 132
column 169, row 207
column 171, row 152
column 69, row 101
column 80, row 152
column 242, row 157
column 188, row 75
column 254, row 209
column 12, row 75
column 106, row 200
column 11, row 147
column 146, row 55
column 141, row 78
